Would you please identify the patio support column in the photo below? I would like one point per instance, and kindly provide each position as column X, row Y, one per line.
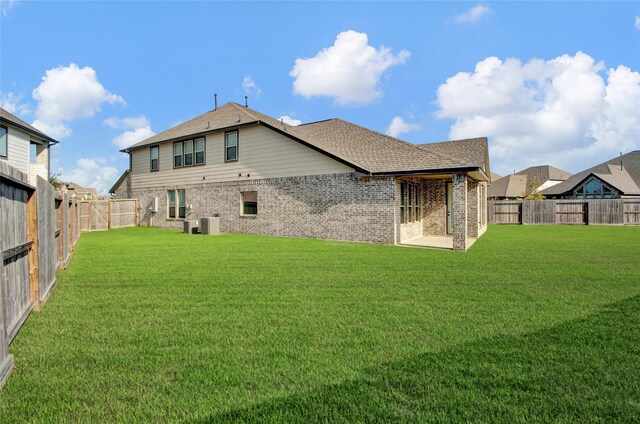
column 459, row 219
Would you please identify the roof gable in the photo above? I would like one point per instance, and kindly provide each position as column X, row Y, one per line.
column 607, row 171
column 10, row 118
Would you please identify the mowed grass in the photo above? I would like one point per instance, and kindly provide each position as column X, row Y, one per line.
column 534, row 323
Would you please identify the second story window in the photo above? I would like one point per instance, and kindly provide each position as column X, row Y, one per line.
column 199, row 147
column 177, row 155
column 154, row 158
column 231, row 146
column 189, row 153
column 3, row 142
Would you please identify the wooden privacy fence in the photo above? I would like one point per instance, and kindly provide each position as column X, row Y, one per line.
column 40, row 229
column 98, row 215
column 565, row 211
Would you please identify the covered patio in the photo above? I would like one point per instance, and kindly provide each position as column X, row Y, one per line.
column 435, row 242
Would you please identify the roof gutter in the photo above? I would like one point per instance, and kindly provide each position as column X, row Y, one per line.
column 30, row 131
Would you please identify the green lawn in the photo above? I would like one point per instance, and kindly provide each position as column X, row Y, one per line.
column 534, row 323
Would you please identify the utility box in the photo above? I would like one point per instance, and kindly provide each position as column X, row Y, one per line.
column 210, row 226
column 154, row 205
column 190, row 227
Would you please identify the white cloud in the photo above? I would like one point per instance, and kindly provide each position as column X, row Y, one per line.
column 399, row 126
column 7, row 5
column 67, row 93
column 138, row 128
column 637, row 23
column 348, row 71
column 250, row 87
column 473, row 15
column 92, row 172
column 289, row 120
column 12, row 103
column 566, row 111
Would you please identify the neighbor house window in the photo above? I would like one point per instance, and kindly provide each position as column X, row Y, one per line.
column 249, row 203
column 177, row 155
column 3, row 142
column 231, row 146
column 188, row 153
column 410, row 206
column 154, row 158
column 177, row 201
column 199, row 148
column 594, row 188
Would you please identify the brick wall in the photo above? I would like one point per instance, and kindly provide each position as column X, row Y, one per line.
column 472, row 208
column 334, row 207
column 124, row 191
column 460, row 212
column 435, row 208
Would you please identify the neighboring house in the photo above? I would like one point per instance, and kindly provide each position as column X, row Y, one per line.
column 616, row 178
column 495, row 177
column 122, row 188
column 76, row 191
column 24, row 146
column 523, row 183
column 328, row 179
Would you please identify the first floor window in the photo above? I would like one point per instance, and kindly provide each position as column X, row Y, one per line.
column 154, row 158
column 177, row 202
column 410, row 206
column 4, row 145
column 249, row 203
column 231, row 146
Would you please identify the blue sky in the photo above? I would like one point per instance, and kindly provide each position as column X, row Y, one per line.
column 548, row 83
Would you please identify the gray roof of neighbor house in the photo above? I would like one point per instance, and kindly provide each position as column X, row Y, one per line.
column 363, row 149
column 495, row 177
column 513, row 185
column 124, row 175
column 545, row 173
column 14, row 120
column 622, row 172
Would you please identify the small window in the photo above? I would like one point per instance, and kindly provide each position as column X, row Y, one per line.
column 249, row 203
column 231, row 146
column 182, row 204
column 177, row 155
column 3, row 142
column 172, row 203
column 154, row 158
column 188, row 153
column 177, row 202
column 199, row 147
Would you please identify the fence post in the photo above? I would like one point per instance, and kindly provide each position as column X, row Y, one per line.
column 6, row 359
column 108, row 214
column 137, row 213
column 34, row 271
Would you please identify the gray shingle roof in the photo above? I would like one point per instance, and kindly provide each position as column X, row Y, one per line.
column 357, row 146
column 11, row 118
column 544, row 173
column 513, row 185
column 611, row 174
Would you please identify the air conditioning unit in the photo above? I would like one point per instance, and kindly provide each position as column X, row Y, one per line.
column 210, row 226
column 154, row 205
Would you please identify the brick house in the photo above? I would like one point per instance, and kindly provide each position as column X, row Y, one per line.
column 328, row 179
